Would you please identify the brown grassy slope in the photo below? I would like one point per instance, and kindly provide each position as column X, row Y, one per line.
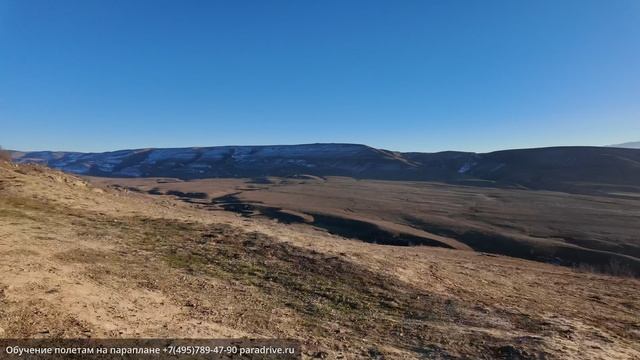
column 577, row 230
column 79, row 261
column 5, row 156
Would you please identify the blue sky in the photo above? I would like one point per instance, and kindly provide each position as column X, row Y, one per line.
column 405, row 75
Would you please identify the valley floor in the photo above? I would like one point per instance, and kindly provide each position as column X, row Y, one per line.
column 81, row 261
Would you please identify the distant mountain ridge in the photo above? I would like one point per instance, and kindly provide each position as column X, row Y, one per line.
column 571, row 169
column 628, row 145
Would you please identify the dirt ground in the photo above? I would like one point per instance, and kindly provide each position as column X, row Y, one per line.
column 598, row 232
column 84, row 261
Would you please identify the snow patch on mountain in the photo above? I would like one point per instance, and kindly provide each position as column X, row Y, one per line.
column 76, row 168
column 132, row 171
column 466, row 167
column 215, row 154
column 170, row 154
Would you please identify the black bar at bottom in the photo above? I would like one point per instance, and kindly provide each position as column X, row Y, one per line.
column 46, row 349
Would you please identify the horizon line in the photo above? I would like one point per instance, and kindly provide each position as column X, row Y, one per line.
column 620, row 145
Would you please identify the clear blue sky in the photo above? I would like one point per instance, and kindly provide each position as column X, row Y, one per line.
column 406, row 75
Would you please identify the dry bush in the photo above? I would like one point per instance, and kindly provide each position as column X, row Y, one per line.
column 5, row 155
column 617, row 268
column 614, row 267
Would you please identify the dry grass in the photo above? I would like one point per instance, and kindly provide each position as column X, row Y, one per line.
column 599, row 232
column 80, row 262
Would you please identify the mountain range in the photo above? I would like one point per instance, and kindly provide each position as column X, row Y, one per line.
column 609, row 170
column 628, row 145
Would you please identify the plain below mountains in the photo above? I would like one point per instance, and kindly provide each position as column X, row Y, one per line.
column 600, row 170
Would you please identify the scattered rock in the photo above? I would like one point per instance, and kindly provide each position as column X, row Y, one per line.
column 509, row 352
column 375, row 354
column 320, row 355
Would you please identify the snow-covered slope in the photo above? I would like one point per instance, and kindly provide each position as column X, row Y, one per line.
column 323, row 159
column 573, row 169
